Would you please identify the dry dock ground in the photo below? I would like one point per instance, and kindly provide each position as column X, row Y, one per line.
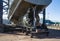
column 54, row 35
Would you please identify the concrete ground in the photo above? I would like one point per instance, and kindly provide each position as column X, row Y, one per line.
column 54, row 35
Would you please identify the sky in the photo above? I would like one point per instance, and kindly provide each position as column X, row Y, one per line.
column 52, row 11
column 4, row 11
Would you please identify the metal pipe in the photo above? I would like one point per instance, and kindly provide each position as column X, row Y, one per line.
column 44, row 11
column 1, row 11
column 34, row 13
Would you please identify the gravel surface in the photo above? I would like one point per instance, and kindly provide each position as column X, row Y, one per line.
column 54, row 35
column 21, row 37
